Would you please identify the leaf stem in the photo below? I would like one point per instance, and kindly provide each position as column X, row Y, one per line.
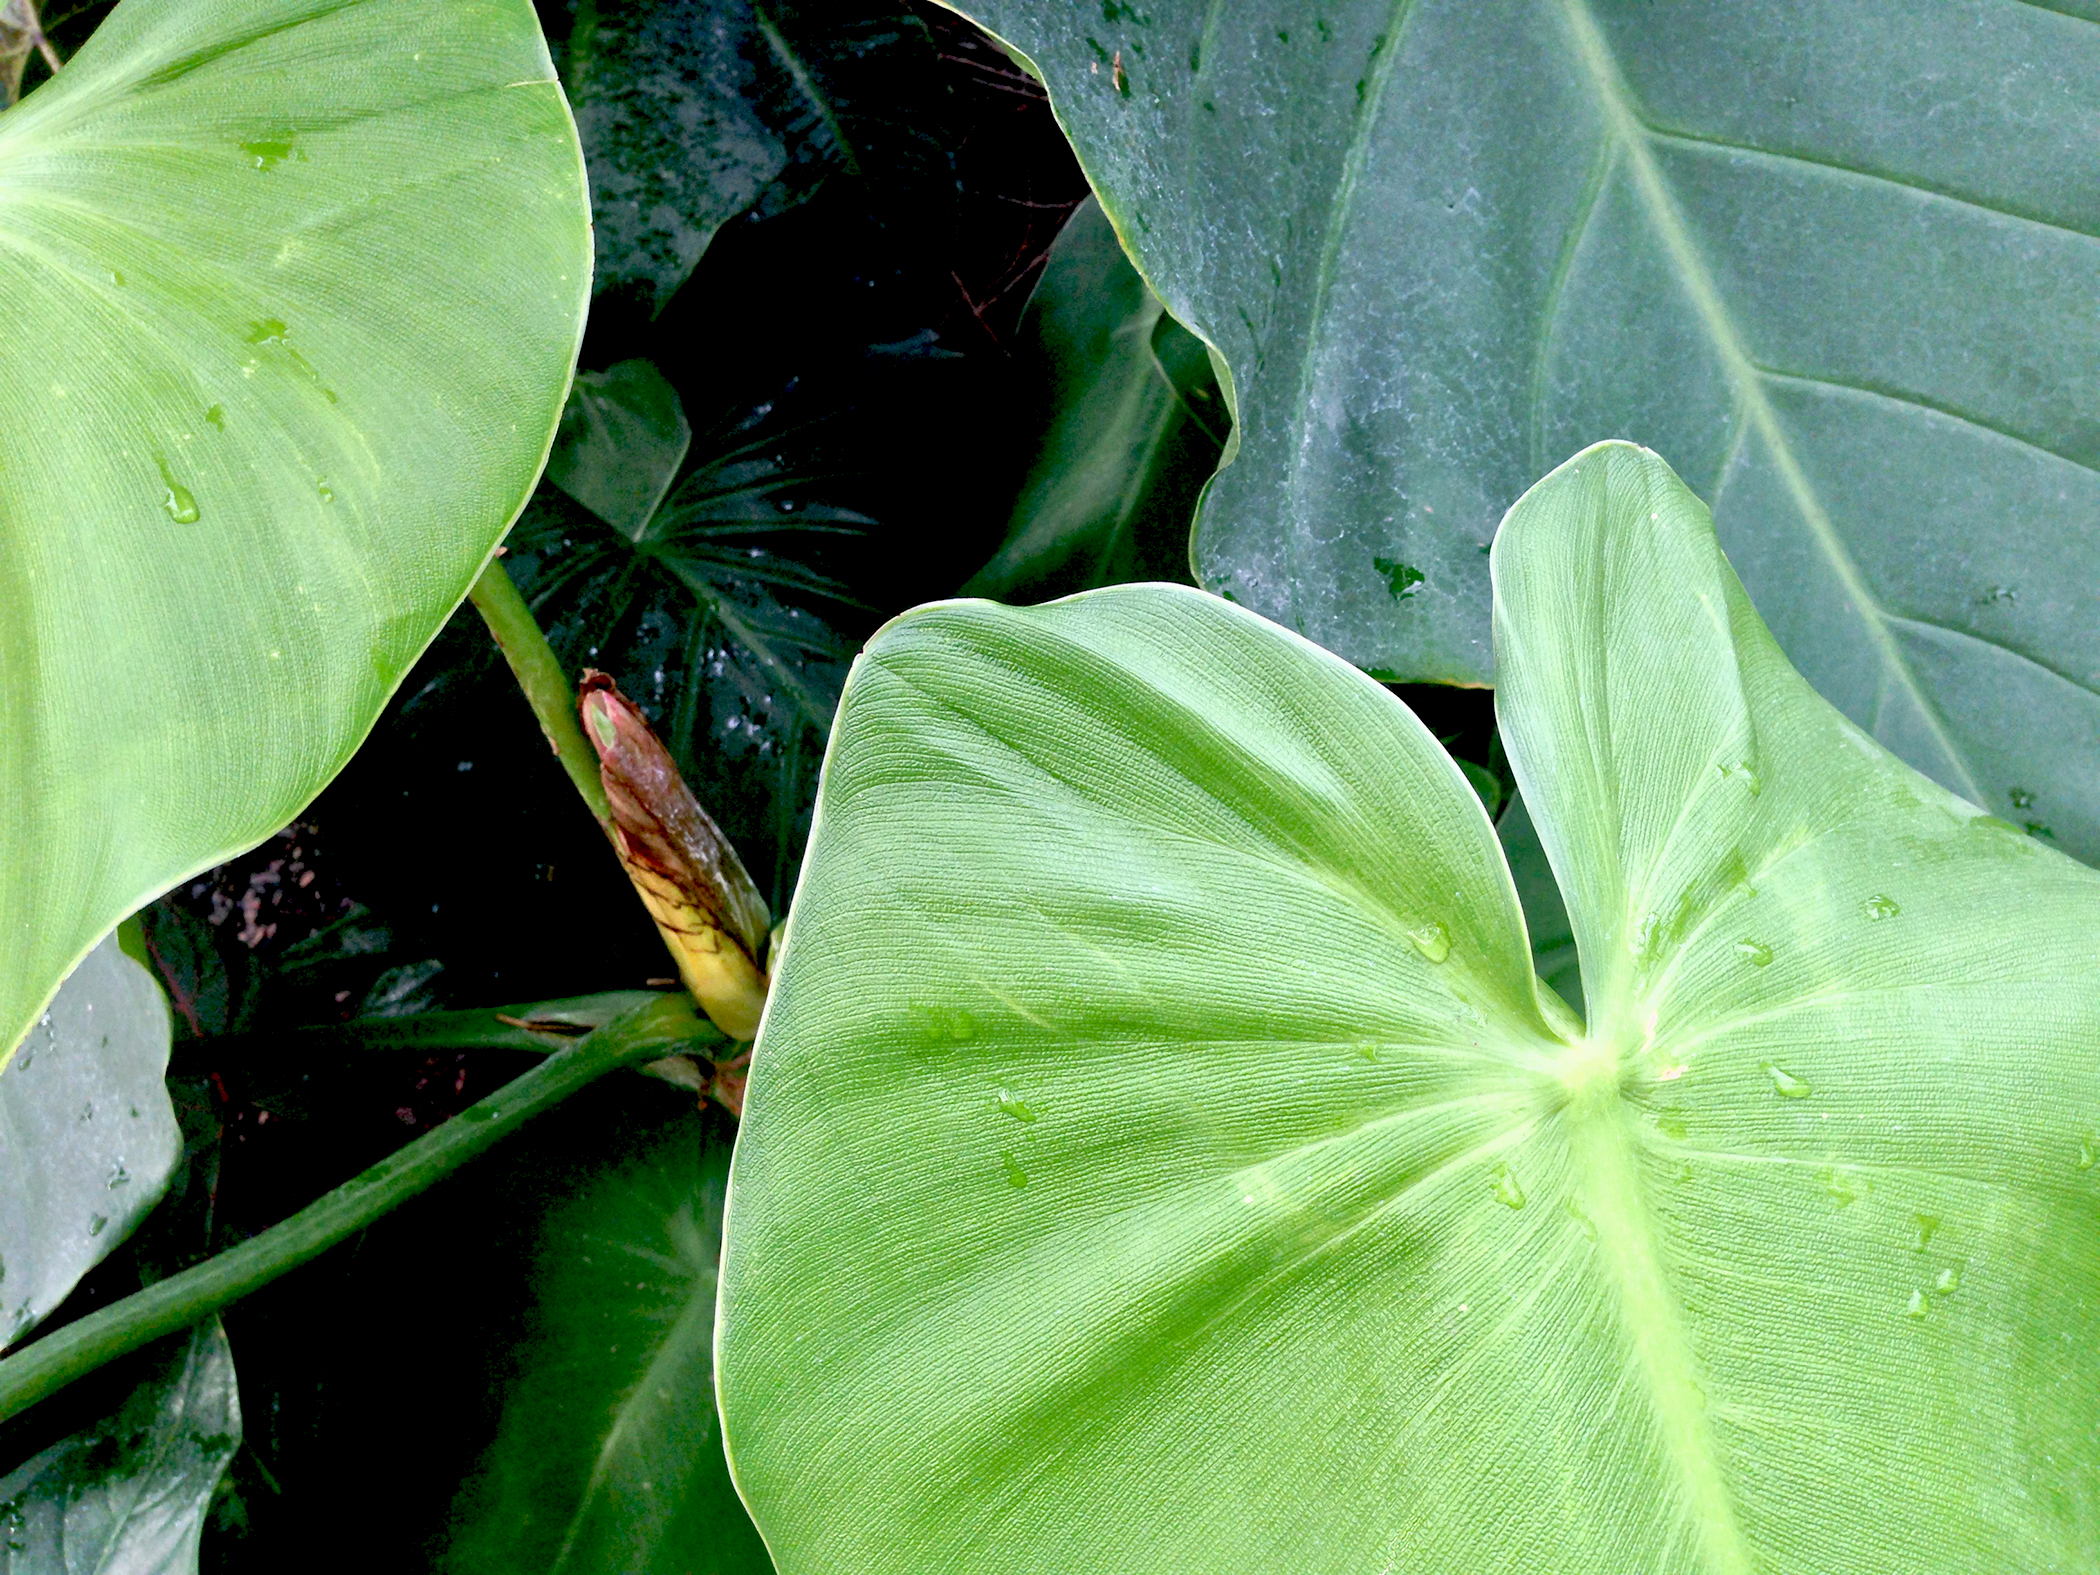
column 547, row 687
column 483, row 1028
column 645, row 1033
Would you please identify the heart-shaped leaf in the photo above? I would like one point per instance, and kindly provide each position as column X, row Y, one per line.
column 293, row 290
column 87, row 1134
column 1159, row 1158
column 1835, row 261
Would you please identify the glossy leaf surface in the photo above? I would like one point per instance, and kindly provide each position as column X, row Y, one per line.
column 1834, row 261
column 295, row 291
column 609, row 1459
column 692, row 111
column 87, row 1134
column 128, row 1496
column 1128, row 440
column 1158, row 1157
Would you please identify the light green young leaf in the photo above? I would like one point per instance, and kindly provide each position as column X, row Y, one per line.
column 129, row 1495
column 1834, row 260
column 87, row 1134
column 293, row 290
column 1157, row 1157
column 1112, row 486
column 609, row 1460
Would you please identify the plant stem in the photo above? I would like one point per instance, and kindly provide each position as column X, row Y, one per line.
column 547, row 687
column 645, row 1033
column 484, row 1028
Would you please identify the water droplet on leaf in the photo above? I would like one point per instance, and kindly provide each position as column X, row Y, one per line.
column 1012, row 1106
column 1756, row 953
column 1785, row 1084
column 1915, row 1308
column 1926, row 1224
column 1836, row 1186
column 1432, row 940
column 1015, row 1175
column 1947, row 1281
column 1880, row 907
column 180, row 503
column 1507, row 1192
column 95, row 1224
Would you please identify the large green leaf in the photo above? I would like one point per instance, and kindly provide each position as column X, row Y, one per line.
column 1112, row 484
column 87, row 1134
column 609, row 1459
column 1158, row 1158
column 128, row 1495
column 1834, row 260
column 293, row 290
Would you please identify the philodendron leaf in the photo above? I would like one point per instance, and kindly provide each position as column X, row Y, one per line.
column 608, row 1460
column 87, row 1134
column 1834, row 260
column 1112, row 486
column 129, row 1495
column 293, row 291
column 1158, row 1158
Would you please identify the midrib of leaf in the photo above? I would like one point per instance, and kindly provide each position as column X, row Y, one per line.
column 1632, row 135
column 693, row 1330
column 1338, row 206
column 1601, row 1154
column 804, row 83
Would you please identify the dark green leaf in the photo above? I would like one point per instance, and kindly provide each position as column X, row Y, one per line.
column 1113, row 484
column 692, row 110
column 622, row 439
column 608, row 1459
column 128, row 1496
column 1835, row 260
column 1545, row 915
column 727, row 582
column 666, row 104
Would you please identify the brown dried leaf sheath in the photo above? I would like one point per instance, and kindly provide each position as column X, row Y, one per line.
column 689, row 877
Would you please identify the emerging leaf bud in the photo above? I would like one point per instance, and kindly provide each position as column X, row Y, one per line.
column 689, row 877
